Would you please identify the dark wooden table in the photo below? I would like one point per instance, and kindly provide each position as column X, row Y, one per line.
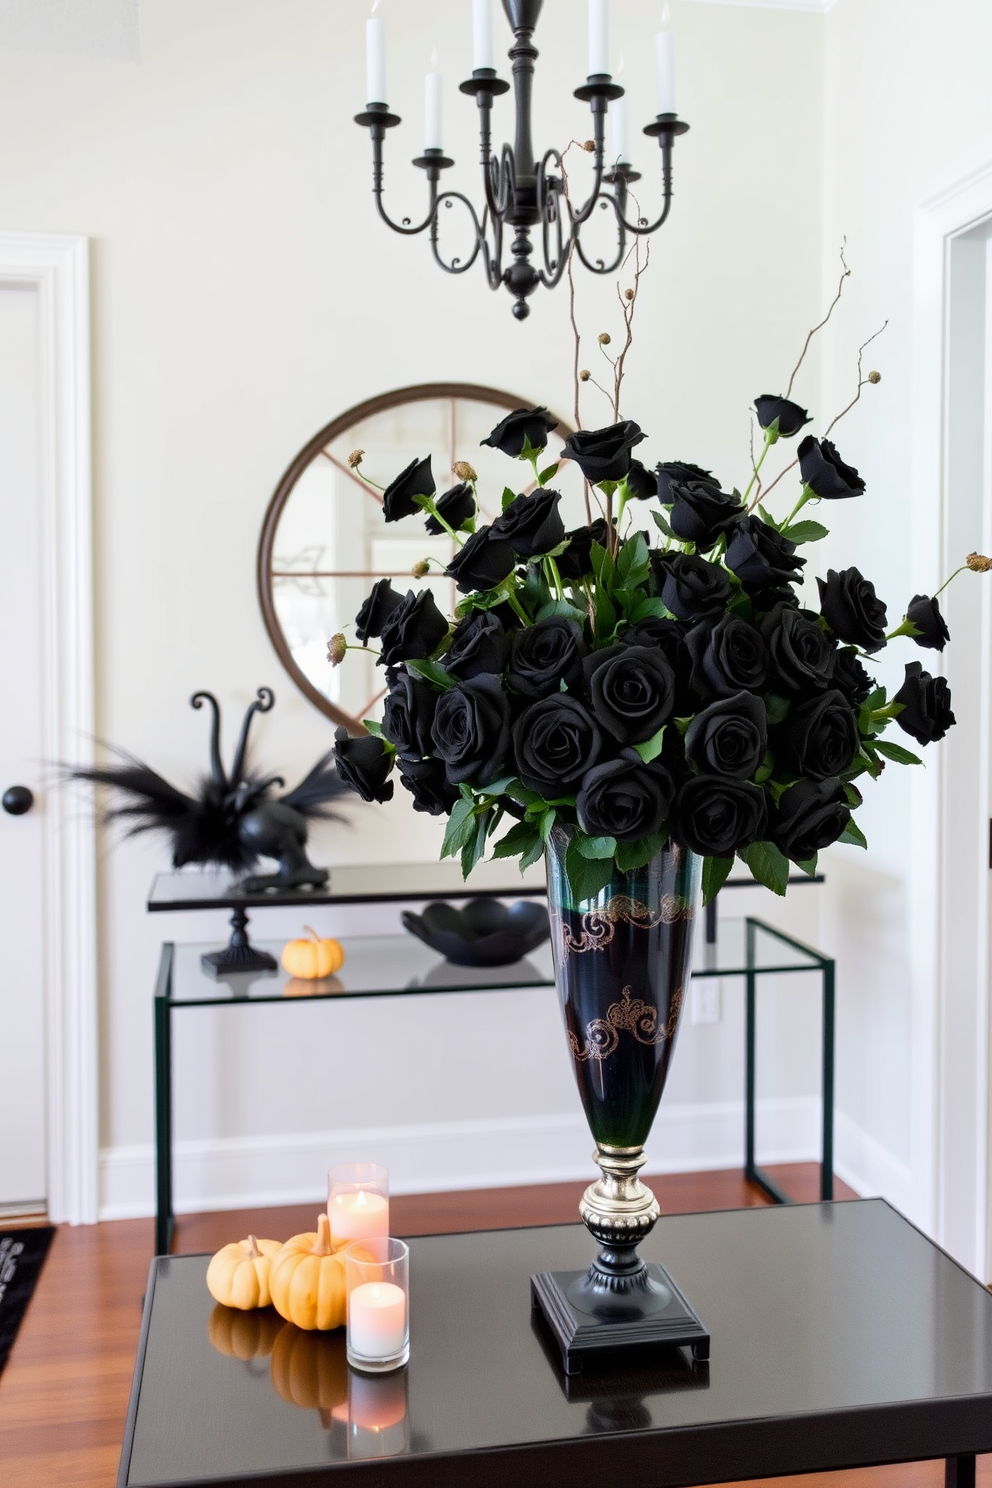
column 841, row 1338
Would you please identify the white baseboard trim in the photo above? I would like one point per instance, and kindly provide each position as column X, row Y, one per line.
column 869, row 1168
column 498, row 1152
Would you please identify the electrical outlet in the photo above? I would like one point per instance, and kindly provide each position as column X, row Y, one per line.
column 707, row 999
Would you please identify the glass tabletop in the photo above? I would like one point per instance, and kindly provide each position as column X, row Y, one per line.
column 389, row 965
column 353, row 883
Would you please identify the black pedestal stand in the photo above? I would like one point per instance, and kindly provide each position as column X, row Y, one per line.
column 239, row 954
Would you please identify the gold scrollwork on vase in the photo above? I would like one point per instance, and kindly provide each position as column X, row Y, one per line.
column 630, row 1015
column 599, row 925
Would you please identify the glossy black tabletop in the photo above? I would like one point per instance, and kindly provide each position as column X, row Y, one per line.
column 840, row 1335
column 355, row 883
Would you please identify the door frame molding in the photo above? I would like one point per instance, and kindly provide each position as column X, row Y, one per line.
column 56, row 266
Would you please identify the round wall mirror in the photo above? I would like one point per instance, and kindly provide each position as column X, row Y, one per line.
column 324, row 542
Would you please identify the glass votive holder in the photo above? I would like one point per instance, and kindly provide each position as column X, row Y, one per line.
column 357, row 1202
column 378, row 1425
column 377, row 1282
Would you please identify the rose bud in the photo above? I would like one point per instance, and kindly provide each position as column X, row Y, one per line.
column 729, row 737
column 852, row 609
column 555, row 743
column 823, row 470
column 811, row 815
column 789, row 416
column 520, row 429
column 801, row 655
column 603, row 454
column 576, row 561
column 761, row 556
column 926, row 705
column 479, row 644
column 337, row 649
column 851, row 679
column 631, row 690
column 484, row 561
column 544, row 655
column 374, row 613
column 625, row 799
column 819, row 738
column 641, row 482
column 978, row 563
column 690, row 587
column 680, row 470
column 408, row 714
column 700, row 511
column 727, row 657
column 398, row 497
column 471, row 731
column 717, row 816
column 464, row 471
column 456, row 506
column 363, row 765
column 413, row 630
column 931, row 629
column 532, row 525
column 428, row 783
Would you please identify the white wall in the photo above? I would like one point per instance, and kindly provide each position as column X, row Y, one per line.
column 243, row 293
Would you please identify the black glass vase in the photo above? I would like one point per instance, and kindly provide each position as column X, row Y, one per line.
column 622, row 967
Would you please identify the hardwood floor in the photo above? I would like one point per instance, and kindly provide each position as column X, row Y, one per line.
column 63, row 1394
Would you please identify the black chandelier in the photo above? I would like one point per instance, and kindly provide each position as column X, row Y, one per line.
column 523, row 195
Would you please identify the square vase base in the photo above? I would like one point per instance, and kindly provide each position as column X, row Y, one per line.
column 582, row 1336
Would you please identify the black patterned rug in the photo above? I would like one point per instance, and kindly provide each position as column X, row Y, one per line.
column 22, row 1255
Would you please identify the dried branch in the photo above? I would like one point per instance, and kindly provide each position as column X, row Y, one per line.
column 845, row 274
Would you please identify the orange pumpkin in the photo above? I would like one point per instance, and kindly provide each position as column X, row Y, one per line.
column 312, row 958
column 307, row 1280
column 238, row 1275
column 243, row 1335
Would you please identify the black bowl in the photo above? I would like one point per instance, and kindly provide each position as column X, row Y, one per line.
column 483, row 932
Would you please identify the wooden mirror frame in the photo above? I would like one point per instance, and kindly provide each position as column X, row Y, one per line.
column 381, row 403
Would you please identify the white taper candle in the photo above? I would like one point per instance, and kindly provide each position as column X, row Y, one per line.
column 375, row 60
column 432, row 111
column 665, row 54
column 599, row 36
column 482, row 34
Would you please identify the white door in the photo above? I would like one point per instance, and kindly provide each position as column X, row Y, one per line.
column 23, row 1103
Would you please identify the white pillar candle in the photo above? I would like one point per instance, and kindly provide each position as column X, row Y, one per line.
column 620, row 114
column 432, row 111
column 377, row 1320
column 599, row 36
column 358, row 1216
column 375, row 60
column 482, row 34
column 665, row 56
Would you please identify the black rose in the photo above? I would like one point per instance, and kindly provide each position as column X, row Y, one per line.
column 801, row 655
column 546, row 654
column 631, row 690
column 667, row 636
column 851, row 679
column 576, row 561
column 471, row 730
column 398, row 497
column 729, row 737
column 760, row 556
column 407, row 715
column 926, row 705
column 625, row 799
column 555, row 742
column 690, row 587
column 428, row 783
column 717, row 817
column 413, row 630
column 700, row 511
column 482, row 562
column 603, row 454
column 811, row 815
column 823, row 470
column 789, row 415
column 680, row 470
column 532, row 525
column 642, row 483
column 479, row 644
column 380, row 604
column 525, row 426
column 852, row 609
column 819, row 738
column 931, row 627
column 456, row 506
column 727, row 657
column 363, row 765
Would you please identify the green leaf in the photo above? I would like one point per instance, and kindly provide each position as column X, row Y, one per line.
column 563, row 608
column 805, row 532
column 499, row 787
column 715, row 873
column 431, row 672
column 808, row 866
column 602, row 566
column 637, row 854
column 768, row 865
column 852, row 795
column 476, row 846
column 375, row 729
column 852, row 833
column 650, row 607
column 632, row 561
column 508, row 496
column 897, row 753
column 547, row 822
column 651, row 748
column 586, row 876
column 606, row 615
column 460, row 828
column 875, row 699
column 776, row 707
column 662, row 524
column 548, row 472
column 767, row 517
column 595, row 847
column 520, row 837
column 532, row 854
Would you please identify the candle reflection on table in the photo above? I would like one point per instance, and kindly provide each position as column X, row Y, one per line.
column 378, row 1424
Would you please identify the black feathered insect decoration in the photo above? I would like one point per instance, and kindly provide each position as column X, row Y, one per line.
column 234, row 819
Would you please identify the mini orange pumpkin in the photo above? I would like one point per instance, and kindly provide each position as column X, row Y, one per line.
column 238, row 1275
column 307, row 1280
column 312, row 958
column 243, row 1335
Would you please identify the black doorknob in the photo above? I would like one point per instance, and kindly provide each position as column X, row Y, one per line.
column 16, row 800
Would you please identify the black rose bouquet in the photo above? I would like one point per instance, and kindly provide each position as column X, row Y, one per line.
column 639, row 677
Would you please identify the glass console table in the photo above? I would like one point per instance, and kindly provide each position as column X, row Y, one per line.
column 402, row 966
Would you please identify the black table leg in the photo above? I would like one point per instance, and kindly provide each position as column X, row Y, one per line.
column 959, row 1472
column 752, row 1172
column 163, row 1121
column 827, row 1156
